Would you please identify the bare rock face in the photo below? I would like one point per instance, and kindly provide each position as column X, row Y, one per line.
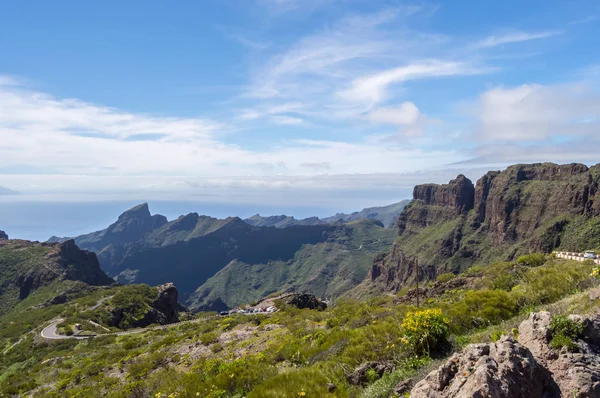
column 501, row 369
column 577, row 374
column 457, row 194
column 166, row 304
column 3, row 235
column 527, row 368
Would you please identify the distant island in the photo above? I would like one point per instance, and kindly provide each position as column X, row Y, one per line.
column 6, row 191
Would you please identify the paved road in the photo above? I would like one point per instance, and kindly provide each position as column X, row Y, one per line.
column 50, row 331
column 574, row 256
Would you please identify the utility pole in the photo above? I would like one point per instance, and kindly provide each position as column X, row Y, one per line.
column 417, row 264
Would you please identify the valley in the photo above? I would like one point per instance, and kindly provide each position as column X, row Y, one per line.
column 488, row 255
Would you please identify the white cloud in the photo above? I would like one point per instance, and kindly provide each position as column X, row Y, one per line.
column 52, row 146
column 406, row 115
column 513, row 37
column 534, row 112
column 373, row 89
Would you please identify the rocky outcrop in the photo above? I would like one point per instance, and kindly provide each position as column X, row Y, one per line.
column 524, row 368
column 28, row 266
column 3, row 235
column 457, row 194
column 163, row 310
column 523, row 209
column 360, row 375
column 304, row 300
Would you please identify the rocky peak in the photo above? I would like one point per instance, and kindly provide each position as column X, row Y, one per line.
column 3, row 235
column 458, row 194
column 80, row 264
column 141, row 211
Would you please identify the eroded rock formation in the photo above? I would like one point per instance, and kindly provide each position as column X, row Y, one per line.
column 523, row 209
column 524, row 368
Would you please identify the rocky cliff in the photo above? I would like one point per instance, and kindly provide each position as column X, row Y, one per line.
column 26, row 266
column 525, row 208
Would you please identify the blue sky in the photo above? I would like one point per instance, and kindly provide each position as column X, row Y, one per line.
column 296, row 102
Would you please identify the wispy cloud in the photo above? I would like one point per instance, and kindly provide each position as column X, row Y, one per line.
column 373, row 89
column 513, row 37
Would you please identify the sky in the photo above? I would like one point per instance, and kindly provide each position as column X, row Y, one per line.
column 324, row 103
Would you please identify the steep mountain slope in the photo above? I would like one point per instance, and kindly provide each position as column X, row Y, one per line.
column 525, row 208
column 326, row 268
column 385, row 214
column 26, row 267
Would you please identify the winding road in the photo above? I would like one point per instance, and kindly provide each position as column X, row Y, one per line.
column 50, row 332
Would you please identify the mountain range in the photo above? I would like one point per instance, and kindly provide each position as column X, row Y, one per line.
column 388, row 215
column 218, row 263
column 525, row 208
column 447, row 228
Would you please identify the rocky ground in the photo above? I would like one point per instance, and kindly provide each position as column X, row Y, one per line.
column 521, row 367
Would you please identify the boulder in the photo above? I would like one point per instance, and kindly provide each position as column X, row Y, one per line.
column 577, row 374
column 403, row 387
column 304, row 300
column 360, row 378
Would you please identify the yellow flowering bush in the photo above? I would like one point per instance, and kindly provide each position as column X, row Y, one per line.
column 595, row 272
column 425, row 331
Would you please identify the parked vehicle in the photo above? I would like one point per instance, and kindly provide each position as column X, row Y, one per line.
column 224, row 313
column 590, row 254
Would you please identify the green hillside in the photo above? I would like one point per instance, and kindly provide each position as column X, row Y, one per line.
column 326, row 269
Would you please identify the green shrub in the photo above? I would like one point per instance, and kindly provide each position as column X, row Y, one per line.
column 492, row 306
column 560, row 340
column 425, row 331
column 217, row 347
column 209, row 338
column 532, row 260
column 443, row 278
column 563, row 332
column 554, row 281
column 372, row 376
